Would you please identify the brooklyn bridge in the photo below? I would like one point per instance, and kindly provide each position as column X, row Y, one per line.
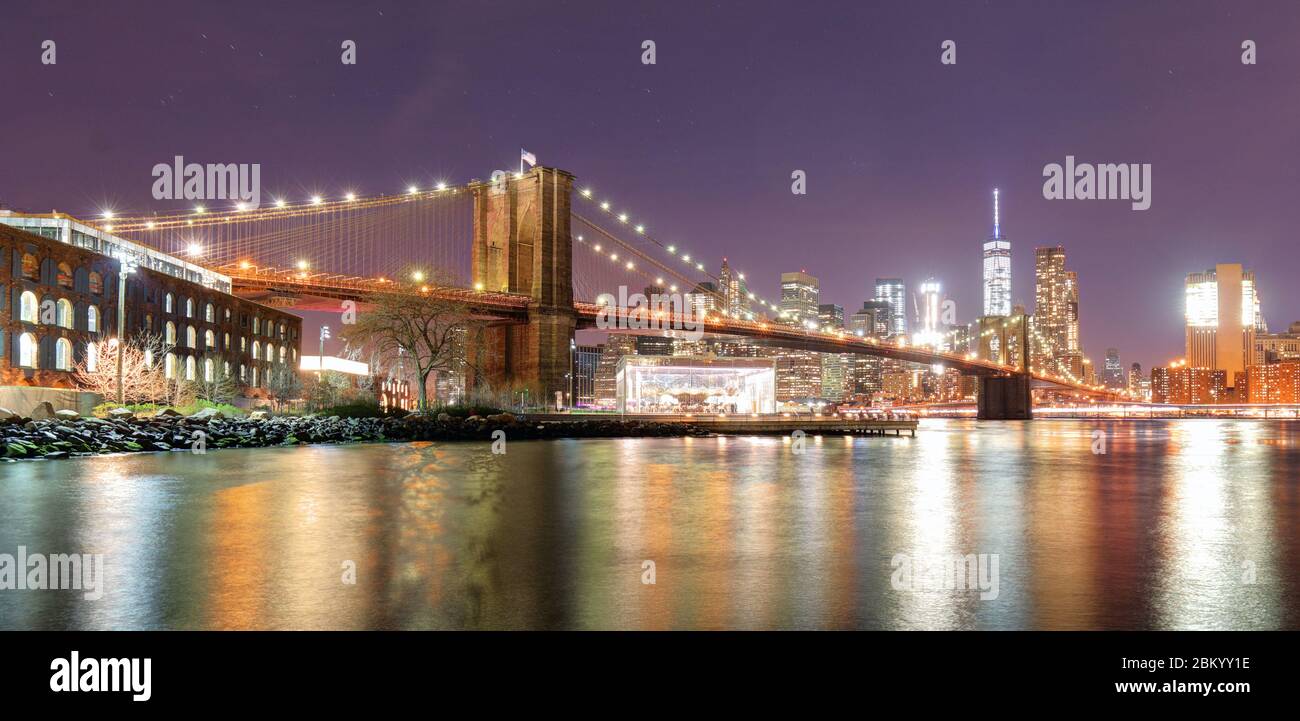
column 531, row 252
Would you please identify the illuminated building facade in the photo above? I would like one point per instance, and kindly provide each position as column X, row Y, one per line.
column 1274, row 383
column 799, row 294
column 930, row 302
column 997, row 268
column 735, row 293
column 1056, row 315
column 894, row 292
column 1180, row 384
column 681, row 384
column 1222, row 316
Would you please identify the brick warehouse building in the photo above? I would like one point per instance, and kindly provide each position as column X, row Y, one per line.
column 58, row 294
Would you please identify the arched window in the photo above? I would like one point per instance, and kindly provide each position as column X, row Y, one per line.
column 148, row 357
column 170, row 335
column 209, row 313
column 169, row 303
column 207, row 369
column 209, row 340
column 65, row 275
column 92, row 319
column 148, row 321
column 270, row 352
column 96, row 283
column 27, row 350
column 254, row 376
column 243, row 344
column 63, row 313
column 257, row 324
column 63, row 354
column 225, row 341
column 191, row 336
column 92, row 357
column 257, row 350
column 189, row 368
column 243, row 373
column 31, row 267
column 227, row 315
column 169, row 365
column 284, row 353
column 227, row 368
column 189, row 307
column 29, row 308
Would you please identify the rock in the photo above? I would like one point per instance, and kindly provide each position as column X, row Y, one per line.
column 121, row 413
column 258, row 415
column 43, row 411
column 207, row 414
column 66, row 414
column 166, row 413
column 502, row 418
column 6, row 414
column 444, row 418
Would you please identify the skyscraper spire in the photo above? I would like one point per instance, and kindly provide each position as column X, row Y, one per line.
column 997, row 226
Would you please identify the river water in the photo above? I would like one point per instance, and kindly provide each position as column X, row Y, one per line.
column 1179, row 524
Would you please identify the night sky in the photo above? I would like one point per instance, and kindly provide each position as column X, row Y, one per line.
column 901, row 152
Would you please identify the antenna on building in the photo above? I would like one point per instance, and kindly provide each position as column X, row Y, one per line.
column 997, row 226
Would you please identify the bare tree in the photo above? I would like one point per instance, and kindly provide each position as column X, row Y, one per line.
column 419, row 320
column 283, row 385
column 143, row 376
column 220, row 387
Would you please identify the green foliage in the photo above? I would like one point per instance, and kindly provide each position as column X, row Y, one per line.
column 465, row 411
column 226, row 409
column 360, row 409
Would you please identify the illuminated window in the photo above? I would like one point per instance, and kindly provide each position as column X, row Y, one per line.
column 92, row 319
column 28, row 307
column 63, row 354
column 63, row 313
column 27, row 350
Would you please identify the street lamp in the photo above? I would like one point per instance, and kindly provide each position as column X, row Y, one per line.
column 320, row 359
column 126, row 266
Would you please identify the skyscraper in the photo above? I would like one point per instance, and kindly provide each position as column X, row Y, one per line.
column 997, row 268
column 894, row 292
column 735, row 293
column 1056, row 315
column 928, row 307
column 799, row 293
column 1112, row 375
column 1222, row 316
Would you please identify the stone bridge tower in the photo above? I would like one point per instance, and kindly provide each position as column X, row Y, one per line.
column 522, row 244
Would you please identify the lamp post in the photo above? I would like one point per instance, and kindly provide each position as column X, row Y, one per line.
column 126, row 266
column 320, row 359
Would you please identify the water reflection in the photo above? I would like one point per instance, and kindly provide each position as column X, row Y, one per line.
column 1179, row 524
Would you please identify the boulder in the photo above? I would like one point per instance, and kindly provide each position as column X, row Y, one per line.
column 66, row 414
column 502, row 418
column 166, row 413
column 43, row 411
column 121, row 413
column 6, row 414
column 444, row 418
column 258, row 415
column 206, row 414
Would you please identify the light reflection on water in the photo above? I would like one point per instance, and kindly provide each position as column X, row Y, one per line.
column 1163, row 531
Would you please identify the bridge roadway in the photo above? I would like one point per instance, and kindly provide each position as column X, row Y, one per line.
column 320, row 291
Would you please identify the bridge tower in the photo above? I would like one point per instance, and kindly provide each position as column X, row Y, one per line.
column 522, row 244
column 1008, row 398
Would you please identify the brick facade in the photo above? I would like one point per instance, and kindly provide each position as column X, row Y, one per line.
column 64, row 280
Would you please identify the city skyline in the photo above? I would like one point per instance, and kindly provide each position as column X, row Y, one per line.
column 901, row 193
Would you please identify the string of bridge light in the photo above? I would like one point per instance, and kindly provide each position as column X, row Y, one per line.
column 201, row 215
column 640, row 229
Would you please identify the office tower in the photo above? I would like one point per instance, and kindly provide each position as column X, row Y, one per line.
column 1277, row 347
column 585, row 362
column 894, row 292
column 1056, row 315
column 836, row 374
column 1135, row 378
column 997, row 269
column 616, row 346
column 830, row 315
column 928, row 308
column 654, row 345
column 872, row 320
column 1112, row 374
column 705, row 296
column 1222, row 315
column 798, row 374
column 799, row 293
column 735, row 293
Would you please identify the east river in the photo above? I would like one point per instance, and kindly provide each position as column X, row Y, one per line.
column 1179, row 524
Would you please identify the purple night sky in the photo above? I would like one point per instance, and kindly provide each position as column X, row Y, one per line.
column 901, row 151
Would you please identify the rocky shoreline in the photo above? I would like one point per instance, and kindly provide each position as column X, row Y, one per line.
column 64, row 434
